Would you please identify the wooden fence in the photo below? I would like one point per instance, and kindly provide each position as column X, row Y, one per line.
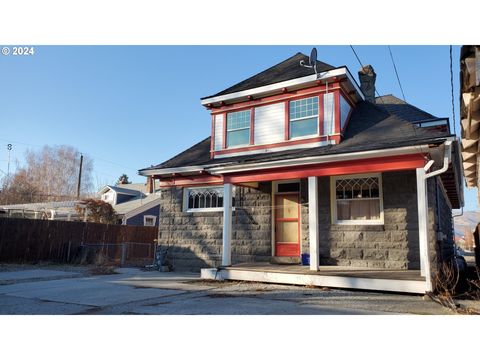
column 27, row 240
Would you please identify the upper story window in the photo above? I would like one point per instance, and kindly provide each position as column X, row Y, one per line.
column 303, row 117
column 238, row 128
column 357, row 199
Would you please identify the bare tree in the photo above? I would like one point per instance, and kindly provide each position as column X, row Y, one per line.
column 50, row 174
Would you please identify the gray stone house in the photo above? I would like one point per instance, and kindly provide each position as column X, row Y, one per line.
column 305, row 166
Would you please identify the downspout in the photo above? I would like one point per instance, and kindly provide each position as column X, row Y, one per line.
column 446, row 161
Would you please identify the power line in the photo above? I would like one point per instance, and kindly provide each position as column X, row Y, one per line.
column 451, row 86
column 360, row 62
column 89, row 154
column 396, row 73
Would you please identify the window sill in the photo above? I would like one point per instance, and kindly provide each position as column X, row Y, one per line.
column 206, row 210
column 359, row 222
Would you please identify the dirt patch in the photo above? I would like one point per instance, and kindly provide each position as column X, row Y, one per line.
column 102, row 270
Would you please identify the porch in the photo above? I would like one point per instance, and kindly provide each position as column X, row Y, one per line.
column 405, row 281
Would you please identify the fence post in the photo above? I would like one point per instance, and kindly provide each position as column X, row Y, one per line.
column 68, row 252
column 124, row 254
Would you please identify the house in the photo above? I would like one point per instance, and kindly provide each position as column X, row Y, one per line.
column 53, row 210
column 135, row 204
column 303, row 163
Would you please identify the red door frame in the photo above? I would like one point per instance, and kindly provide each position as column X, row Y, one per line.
column 287, row 249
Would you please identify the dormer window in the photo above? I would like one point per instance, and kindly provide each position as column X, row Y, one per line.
column 238, row 128
column 303, row 117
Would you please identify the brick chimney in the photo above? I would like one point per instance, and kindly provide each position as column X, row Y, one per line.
column 367, row 78
column 150, row 185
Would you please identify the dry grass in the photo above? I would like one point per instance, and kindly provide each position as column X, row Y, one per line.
column 448, row 290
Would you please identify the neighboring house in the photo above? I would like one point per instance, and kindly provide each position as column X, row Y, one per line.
column 304, row 163
column 55, row 210
column 135, row 204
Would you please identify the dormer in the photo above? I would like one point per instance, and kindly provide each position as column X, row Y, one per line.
column 287, row 106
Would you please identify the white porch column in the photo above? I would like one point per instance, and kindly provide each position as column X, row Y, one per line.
column 422, row 201
column 313, row 222
column 227, row 225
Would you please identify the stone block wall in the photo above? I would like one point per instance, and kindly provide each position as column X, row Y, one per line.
column 194, row 240
column 392, row 245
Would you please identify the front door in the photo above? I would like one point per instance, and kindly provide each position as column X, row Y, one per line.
column 287, row 225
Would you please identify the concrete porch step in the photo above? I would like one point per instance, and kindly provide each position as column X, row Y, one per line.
column 285, row 260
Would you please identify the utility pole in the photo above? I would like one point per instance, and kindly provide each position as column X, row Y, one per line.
column 79, row 176
column 9, row 148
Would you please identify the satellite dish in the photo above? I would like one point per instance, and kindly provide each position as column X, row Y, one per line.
column 312, row 61
column 313, row 57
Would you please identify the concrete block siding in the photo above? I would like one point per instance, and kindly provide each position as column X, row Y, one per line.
column 195, row 239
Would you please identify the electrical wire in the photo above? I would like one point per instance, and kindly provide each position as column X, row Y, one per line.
column 360, row 62
column 451, row 86
column 396, row 73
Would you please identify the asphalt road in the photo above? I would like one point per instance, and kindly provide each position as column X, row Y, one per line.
column 132, row 291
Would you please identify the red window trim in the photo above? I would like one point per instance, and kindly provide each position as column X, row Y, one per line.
column 280, row 144
column 321, row 114
column 252, row 121
column 294, row 95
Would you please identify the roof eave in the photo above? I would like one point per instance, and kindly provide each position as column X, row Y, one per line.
column 293, row 83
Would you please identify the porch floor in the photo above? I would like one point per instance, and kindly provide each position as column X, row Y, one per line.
column 408, row 281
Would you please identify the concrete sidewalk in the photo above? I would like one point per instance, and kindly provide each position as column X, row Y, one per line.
column 132, row 291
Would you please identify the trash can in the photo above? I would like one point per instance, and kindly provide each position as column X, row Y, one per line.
column 305, row 259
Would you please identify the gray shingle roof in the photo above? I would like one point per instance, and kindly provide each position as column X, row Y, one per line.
column 286, row 70
column 406, row 111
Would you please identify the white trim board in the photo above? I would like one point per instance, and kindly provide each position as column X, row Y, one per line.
column 345, row 282
column 285, row 84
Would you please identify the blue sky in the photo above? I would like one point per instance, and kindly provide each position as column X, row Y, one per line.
column 130, row 107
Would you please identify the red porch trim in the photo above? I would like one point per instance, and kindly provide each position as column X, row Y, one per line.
column 193, row 180
column 383, row 164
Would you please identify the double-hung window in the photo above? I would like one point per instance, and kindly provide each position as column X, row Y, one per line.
column 357, row 199
column 303, row 117
column 238, row 128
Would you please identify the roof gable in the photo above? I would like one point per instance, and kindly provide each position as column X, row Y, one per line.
column 286, row 70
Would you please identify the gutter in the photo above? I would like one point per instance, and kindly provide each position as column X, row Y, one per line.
column 422, row 177
column 319, row 159
column 225, row 169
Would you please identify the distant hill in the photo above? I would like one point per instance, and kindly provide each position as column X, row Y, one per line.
column 468, row 219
